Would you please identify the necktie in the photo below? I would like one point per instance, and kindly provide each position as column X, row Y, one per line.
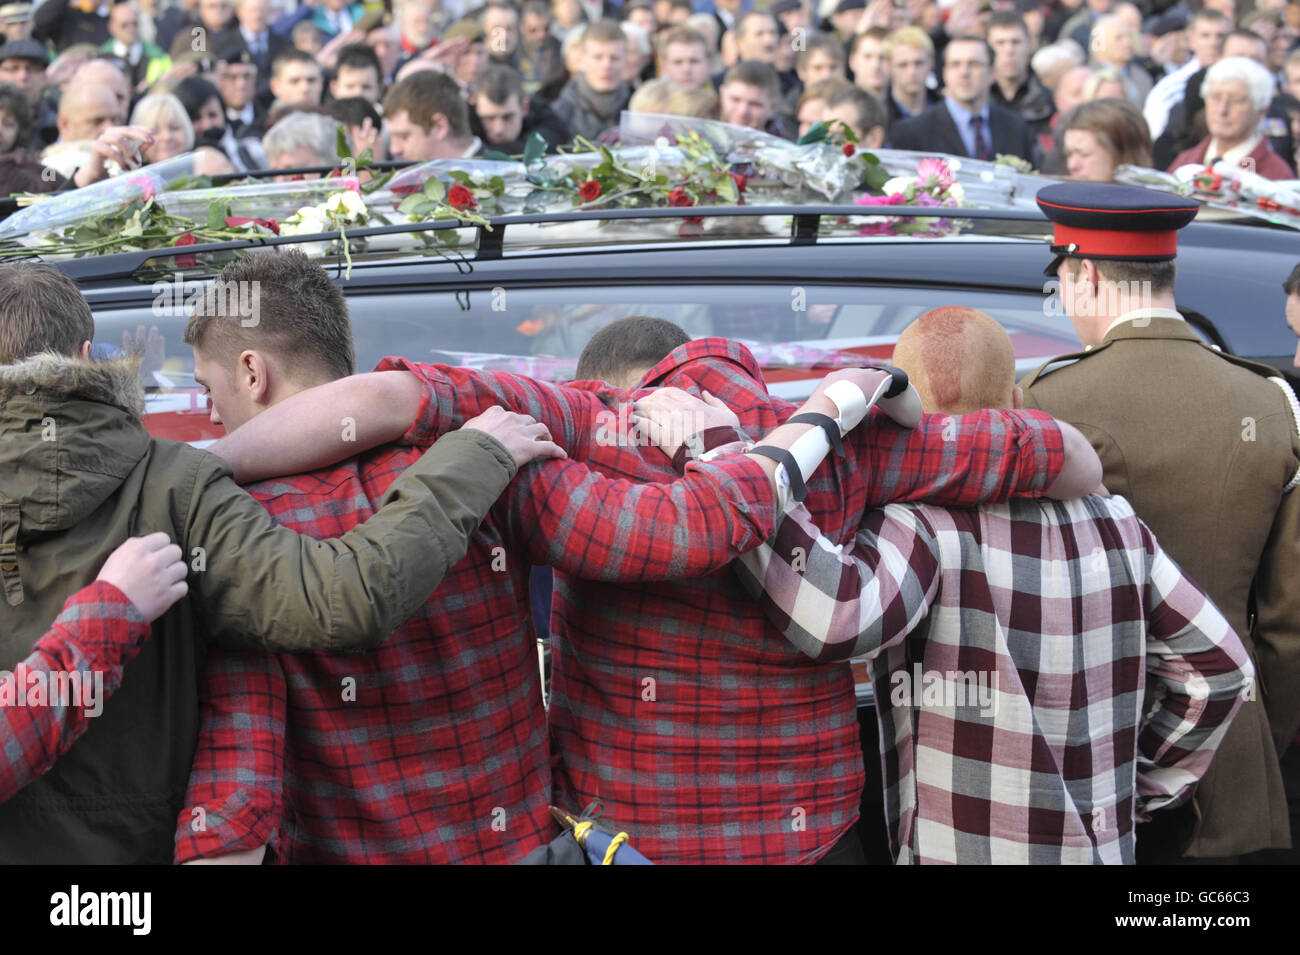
column 982, row 150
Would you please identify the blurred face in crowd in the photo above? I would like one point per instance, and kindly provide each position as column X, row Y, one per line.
column 27, row 75
column 686, row 64
column 471, row 63
column 502, row 122
column 967, row 73
column 1279, row 47
column 1069, row 91
column 215, row 14
column 307, row 38
column 869, row 66
column 908, row 69
column 1010, row 52
column 568, row 12
column 745, row 105
column 846, row 22
column 810, row 114
column 86, row 111
column 297, row 83
column 168, row 137
column 253, row 15
column 603, row 65
column 384, row 43
column 1293, row 78
column 8, row 131
column 1229, row 114
column 1244, row 46
column 360, row 81
column 406, row 140
column 644, row 18
column 1111, row 41
column 796, row 19
column 210, row 116
column 757, row 41
column 819, row 66
column 533, row 30
column 124, row 23
column 103, row 73
column 501, row 29
column 1086, row 158
column 1293, row 321
column 1206, row 38
column 1227, row 7
column 237, row 83
column 417, row 24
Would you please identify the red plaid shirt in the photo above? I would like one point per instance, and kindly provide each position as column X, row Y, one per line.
column 98, row 631
column 440, row 755
column 704, row 734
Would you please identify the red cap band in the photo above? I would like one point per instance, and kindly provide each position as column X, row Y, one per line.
column 1117, row 243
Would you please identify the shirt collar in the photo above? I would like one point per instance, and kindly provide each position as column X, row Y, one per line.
column 1144, row 313
column 962, row 116
column 475, row 145
column 1237, row 153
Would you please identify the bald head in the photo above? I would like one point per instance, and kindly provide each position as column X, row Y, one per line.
column 85, row 111
column 960, row 360
column 104, row 73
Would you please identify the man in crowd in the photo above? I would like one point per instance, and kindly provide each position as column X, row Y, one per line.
column 965, row 123
column 22, row 64
column 509, row 117
column 1205, row 446
column 869, row 62
column 1206, row 35
column 357, row 73
column 1027, row 774
column 251, row 584
column 538, row 57
column 145, row 61
column 428, row 119
column 1015, row 87
column 684, row 58
column 749, row 96
column 593, row 99
column 237, row 82
column 296, row 79
column 910, row 54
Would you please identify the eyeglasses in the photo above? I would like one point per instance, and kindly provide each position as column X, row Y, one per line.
column 1232, row 102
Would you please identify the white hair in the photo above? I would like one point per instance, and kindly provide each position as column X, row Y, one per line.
column 1054, row 59
column 1256, row 79
column 300, row 130
column 151, row 108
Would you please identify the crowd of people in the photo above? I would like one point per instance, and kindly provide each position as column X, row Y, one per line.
column 1074, row 89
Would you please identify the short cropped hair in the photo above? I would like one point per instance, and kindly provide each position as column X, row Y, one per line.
column 40, row 310
column 871, row 112
column 820, row 43
column 302, row 316
column 499, row 83
column 757, row 74
column 911, row 36
column 630, row 344
column 427, row 93
column 291, row 55
column 359, row 56
column 1292, row 284
column 1160, row 275
column 684, row 36
column 604, row 31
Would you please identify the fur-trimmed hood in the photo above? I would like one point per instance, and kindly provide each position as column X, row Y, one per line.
column 111, row 382
column 70, row 434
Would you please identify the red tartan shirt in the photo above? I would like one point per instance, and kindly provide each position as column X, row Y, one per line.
column 439, row 752
column 676, row 704
column 98, row 631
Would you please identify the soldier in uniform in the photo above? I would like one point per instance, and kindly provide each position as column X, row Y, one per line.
column 1206, row 446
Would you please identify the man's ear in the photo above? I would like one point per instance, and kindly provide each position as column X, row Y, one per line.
column 875, row 138
column 523, row 106
column 440, row 126
column 1017, row 398
column 83, row 351
column 253, row 375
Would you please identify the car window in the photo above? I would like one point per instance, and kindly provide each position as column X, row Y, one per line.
column 545, row 329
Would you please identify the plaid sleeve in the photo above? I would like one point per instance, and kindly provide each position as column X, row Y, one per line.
column 235, row 796
column 451, row 396
column 600, row 528
column 959, row 460
column 834, row 602
column 1202, row 673
column 98, row 631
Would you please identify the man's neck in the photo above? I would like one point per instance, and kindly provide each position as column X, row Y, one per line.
column 1010, row 85
column 1127, row 307
column 974, row 107
column 913, row 104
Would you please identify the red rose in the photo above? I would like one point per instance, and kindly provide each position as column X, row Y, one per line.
column 234, row 222
column 740, row 181
column 680, row 197
column 1269, row 205
column 850, row 149
column 589, row 190
column 461, row 198
column 186, row 261
column 405, row 189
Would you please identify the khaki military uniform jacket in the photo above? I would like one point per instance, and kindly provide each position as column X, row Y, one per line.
column 1206, row 447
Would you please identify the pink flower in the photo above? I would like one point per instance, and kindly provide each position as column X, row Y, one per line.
column 893, row 199
column 145, row 185
column 934, row 172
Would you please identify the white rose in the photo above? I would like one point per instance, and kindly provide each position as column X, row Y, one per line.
column 897, row 184
column 661, row 142
column 954, row 165
column 956, row 192
column 346, row 205
column 477, row 177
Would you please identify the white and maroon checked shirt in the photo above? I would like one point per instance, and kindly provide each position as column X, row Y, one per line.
column 1011, row 719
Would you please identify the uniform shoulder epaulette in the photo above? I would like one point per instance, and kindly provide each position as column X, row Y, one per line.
column 1272, row 374
column 1057, row 363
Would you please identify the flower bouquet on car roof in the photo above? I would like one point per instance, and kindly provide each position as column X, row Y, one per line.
column 1224, row 186
column 933, row 186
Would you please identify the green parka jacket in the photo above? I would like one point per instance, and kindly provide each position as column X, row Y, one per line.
column 78, row 476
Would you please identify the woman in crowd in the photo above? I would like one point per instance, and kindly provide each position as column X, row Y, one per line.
column 1102, row 134
column 207, row 115
column 174, row 135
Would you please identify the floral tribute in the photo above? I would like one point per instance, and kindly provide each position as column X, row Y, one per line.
column 934, row 186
